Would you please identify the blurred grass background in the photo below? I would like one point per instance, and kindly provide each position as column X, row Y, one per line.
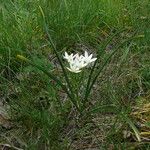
column 41, row 122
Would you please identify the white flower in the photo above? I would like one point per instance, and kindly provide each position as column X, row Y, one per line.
column 88, row 59
column 77, row 62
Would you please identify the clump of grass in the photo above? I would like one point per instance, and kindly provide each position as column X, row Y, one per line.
column 38, row 106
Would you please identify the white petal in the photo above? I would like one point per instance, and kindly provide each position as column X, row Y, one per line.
column 75, row 71
column 93, row 59
column 66, row 55
column 90, row 56
column 86, row 54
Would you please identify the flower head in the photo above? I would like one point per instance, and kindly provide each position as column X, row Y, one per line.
column 77, row 62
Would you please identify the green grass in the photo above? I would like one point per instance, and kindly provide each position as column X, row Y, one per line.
column 42, row 114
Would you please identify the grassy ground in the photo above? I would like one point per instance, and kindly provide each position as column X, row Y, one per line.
column 40, row 115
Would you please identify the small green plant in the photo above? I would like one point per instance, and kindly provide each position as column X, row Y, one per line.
column 77, row 62
column 55, row 104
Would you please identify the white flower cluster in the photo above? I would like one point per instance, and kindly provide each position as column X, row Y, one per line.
column 77, row 62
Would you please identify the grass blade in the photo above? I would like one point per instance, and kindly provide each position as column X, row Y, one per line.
column 131, row 124
column 51, row 43
column 45, row 71
column 103, row 66
column 94, row 66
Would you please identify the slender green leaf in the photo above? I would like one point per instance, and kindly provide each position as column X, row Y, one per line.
column 131, row 124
